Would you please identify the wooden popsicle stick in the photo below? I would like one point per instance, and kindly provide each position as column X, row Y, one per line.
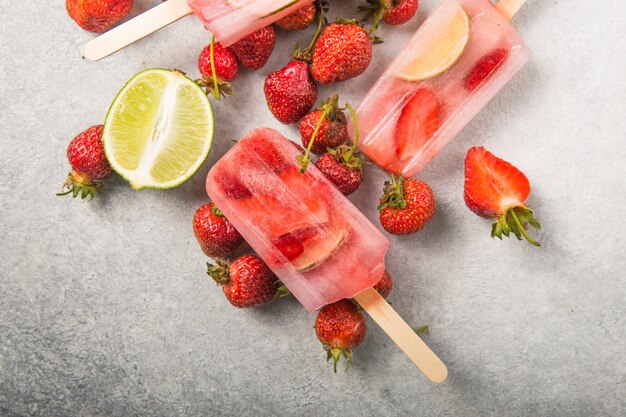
column 402, row 334
column 137, row 28
column 508, row 8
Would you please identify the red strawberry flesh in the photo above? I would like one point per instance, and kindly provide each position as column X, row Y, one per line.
column 418, row 122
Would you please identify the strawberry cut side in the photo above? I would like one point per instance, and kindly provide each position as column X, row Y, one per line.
column 417, row 124
column 495, row 189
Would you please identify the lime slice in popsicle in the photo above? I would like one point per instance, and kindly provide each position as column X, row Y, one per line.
column 441, row 48
column 159, row 129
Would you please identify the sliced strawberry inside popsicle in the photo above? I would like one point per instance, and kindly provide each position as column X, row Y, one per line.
column 417, row 124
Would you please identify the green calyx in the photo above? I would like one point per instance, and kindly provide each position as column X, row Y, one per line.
column 515, row 220
column 220, row 271
column 321, row 8
column 77, row 185
column 282, row 291
column 212, row 84
column 217, row 211
column 393, row 194
column 422, row 330
column 336, row 353
column 374, row 10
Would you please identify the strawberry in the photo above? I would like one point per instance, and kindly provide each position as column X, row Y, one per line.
column 291, row 245
column 290, row 92
column 340, row 327
column 85, row 154
column 345, row 177
column 216, row 235
column 226, row 68
column 247, row 281
column 406, row 206
column 484, row 68
column 393, row 12
column 98, row 15
column 232, row 187
column 331, row 132
column 495, row 189
column 343, row 51
column 254, row 50
column 385, row 285
column 298, row 20
column 418, row 122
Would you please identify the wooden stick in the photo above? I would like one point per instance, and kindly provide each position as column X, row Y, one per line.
column 405, row 337
column 137, row 28
column 508, row 8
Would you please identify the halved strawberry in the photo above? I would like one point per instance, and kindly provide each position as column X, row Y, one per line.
column 291, row 245
column 232, row 187
column 418, row 122
column 495, row 189
column 484, row 68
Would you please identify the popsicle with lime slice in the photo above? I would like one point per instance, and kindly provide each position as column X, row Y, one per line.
column 459, row 59
column 228, row 20
column 158, row 130
column 311, row 236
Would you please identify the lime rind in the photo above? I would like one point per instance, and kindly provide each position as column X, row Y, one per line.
column 159, row 129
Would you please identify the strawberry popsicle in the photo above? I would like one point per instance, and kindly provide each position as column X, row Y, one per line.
column 458, row 60
column 231, row 20
column 317, row 243
column 228, row 20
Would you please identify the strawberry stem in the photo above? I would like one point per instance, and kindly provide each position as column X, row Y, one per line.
column 216, row 91
column 355, row 120
column 393, row 196
column 305, row 54
column 217, row 211
column 522, row 229
column 304, row 159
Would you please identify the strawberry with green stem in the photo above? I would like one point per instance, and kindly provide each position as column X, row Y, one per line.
column 89, row 164
column 218, row 66
column 495, row 189
column 333, row 130
column 392, row 12
column 343, row 165
column 291, row 92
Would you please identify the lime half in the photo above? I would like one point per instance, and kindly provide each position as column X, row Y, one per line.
column 159, row 129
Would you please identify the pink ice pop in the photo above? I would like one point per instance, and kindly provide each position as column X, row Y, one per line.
column 317, row 242
column 228, row 20
column 458, row 60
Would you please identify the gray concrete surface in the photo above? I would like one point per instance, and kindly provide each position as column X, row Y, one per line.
column 105, row 309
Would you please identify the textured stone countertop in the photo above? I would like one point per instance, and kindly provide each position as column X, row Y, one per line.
column 106, row 310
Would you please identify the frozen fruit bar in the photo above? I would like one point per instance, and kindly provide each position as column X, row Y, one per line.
column 231, row 20
column 317, row 242
column 458, row 60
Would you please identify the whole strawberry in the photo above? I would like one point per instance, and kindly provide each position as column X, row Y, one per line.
column 226, row 68
column 247, row 281
column 298, row 20
column 393, row 12
column 98, row 15
column 343, row 51
column 398, row 12
column 331, row 132
column 385, row 285
column 216, row 235
column 345, row 175
column 495, row 189
column 85, row 154
column 290, row 92
column 340, row 327
column 406, row 206
column 254, row 50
